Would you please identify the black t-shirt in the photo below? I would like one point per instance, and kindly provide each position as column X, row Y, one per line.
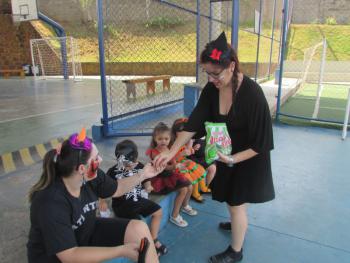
column 249, row 125
column 60, row 221
column 134, row 194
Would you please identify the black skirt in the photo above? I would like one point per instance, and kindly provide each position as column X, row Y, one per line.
column 242, row 183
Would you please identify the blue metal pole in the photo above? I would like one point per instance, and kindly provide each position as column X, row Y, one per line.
column 258, row 46
column 210, row 20
column 272, row 37
column 59, row 30
column 198, row 20
column 235, row 24
column 101, row 50
column 284, row 36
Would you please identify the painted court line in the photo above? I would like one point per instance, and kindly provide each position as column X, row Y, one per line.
column 50, row 112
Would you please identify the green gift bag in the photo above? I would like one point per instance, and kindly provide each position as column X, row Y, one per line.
column 217, row 139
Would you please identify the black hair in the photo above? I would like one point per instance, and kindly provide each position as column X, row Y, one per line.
column 127, row 148
column 59, row 165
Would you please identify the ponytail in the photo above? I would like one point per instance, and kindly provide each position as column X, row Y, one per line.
column 48, row 175
column 59, row 165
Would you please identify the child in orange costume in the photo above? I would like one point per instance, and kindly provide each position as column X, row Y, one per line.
column 192, row 170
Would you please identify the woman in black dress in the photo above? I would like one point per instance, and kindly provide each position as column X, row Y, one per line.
column 245, row 176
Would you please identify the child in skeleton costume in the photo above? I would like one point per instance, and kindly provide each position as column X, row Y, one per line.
column 133, row 204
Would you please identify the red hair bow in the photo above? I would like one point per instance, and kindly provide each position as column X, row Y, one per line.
column 215, row 54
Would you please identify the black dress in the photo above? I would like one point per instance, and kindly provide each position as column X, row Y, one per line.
column 249, row 125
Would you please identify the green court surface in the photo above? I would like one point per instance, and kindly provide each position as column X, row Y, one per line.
column 332, row 105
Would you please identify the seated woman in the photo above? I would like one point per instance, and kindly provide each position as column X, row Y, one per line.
column 63, row 219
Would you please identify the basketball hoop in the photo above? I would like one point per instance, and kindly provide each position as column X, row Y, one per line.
column 24, row 10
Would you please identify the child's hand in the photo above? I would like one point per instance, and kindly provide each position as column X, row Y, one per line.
column 197, row 147
column 187, row 151
column 149, row 188
column 180, row 166
column 102, row 205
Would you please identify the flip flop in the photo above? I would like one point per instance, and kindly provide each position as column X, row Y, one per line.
column 144, row 245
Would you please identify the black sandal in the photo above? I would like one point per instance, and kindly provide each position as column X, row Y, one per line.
column 162, row 250
column 144, row 245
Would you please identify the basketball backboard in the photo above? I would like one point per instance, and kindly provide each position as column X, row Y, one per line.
column 24, row 10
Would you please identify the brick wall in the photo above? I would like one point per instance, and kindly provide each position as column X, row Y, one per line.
column 14, row 42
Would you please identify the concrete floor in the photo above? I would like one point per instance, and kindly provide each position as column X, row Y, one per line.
column 308, row 221
column 61, row 107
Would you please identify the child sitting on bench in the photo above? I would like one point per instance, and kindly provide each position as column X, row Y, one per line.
column 133, row 204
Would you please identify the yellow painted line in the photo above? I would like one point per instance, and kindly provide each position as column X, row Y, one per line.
column 26, row 157
column 41, row 150
column 54, row 143
column 8, row 162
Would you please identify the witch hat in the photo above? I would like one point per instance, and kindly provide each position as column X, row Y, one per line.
column 219, row 46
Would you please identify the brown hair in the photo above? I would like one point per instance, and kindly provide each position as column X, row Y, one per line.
column 226, row 58
column 160, row 128
column 178, row 126
column 59, row 165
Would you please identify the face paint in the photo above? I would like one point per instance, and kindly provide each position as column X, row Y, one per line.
column 93, row 167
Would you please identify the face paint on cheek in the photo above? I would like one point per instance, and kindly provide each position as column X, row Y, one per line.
column 93, row 169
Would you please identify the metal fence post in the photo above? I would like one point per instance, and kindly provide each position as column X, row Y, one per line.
column 102, row 67
column 258, row 45
column 284, row 34
column 235, row 24
column 198, row 19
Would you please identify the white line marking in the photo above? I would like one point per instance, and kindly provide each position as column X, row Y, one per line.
column 51, row 112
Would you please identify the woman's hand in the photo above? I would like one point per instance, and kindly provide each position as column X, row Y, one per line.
column 224, row 158
column 162, row 159
column 150, row 170
column 131, row 251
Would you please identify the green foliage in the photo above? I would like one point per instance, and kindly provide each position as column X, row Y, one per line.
column 110, row 30
column 86, row 3
column 163, row 22
column 331, row 20
column 301, row 37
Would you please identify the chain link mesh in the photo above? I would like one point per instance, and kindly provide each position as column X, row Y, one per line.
column 321, row 65
column 145, row 38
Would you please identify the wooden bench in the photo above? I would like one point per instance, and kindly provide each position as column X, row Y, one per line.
column 7, row 72
column 150, row 84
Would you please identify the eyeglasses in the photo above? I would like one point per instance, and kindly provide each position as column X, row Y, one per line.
column 215, row 76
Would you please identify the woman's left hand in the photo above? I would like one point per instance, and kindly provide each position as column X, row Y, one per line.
column 224, row 158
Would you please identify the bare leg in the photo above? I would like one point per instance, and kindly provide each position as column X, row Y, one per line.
column 188, row 195
column 211, row 173
column 239, row 225
column 135, row 231
column 181, row 195
column 155, row 223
